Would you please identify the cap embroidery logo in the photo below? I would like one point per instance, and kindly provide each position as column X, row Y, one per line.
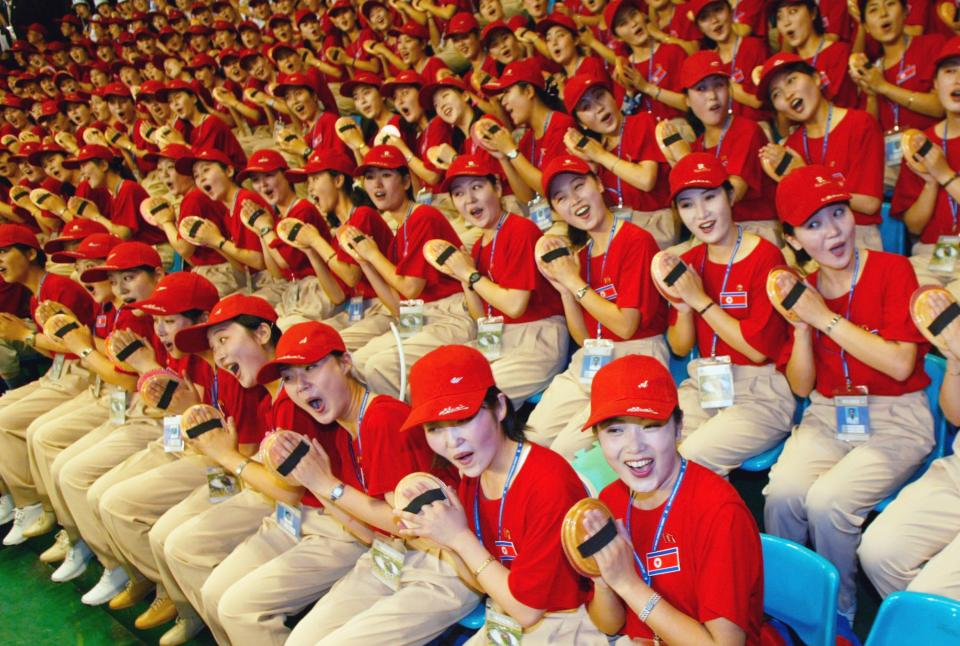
column 289, row 357
column 449, row 410
column 456, row 380
column 302, row 341
column 640, row 409
column 643, row 384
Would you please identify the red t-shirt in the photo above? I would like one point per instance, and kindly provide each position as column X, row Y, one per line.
column 125, row 211
column 196, row 202
column 514, row 266
column 761, row 325
column 242, row 404
column 626, row 281
column 540, row 574
column 371, row 223
column 914, row 72
column 752, row 13
column 718, row 547
column 837, row 20
column 833, row 60
column 750, row 53
column 323, row 135
column 855, row 151
column 739, row 153
column 637, row 144
column 14, row 299
column 236, row 231
column 298, row 264
column 881, row 306
column 664, row 72
column 910, row 185
column 214, row 133
column 424, row 223
column 680, row 26
column 71, row 295
column 431, row 69
column 539, row 151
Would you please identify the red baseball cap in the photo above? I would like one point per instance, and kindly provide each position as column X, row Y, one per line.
column 124, row 256
column 383, row 156
column 180, row 292
column 26, row 149
column 88, row 152
column 429, row 91
column 360, row 78
column 116, row 88
column 469, row 166
column 290, row 81
column 556, row 20
column 17, row 234
column 636, row 385
column 76, row 97
column 36, row 157
column 517, row 72
column 301, row 345
column 75, row 229
column 176, row 85
column 370, row 5
column 950, row 49
column 405, row 77
column 697, row 170
column 699, row 66
column 448, row 384
column 559, row 165
column 324, row 160
column 194, row 338
column 149, row 88
column 577, row 86
column 263, row 161
column 806, row 190
column 773, row 66
column 694, row 7
column 411, row 29
column 341, row 5
column 49, row 108
column 11, row 101
column 184, row 165
column 613, row 8
column 170, row 151
column 496, row 25
column 303, row 15
column 462, row 23
column 201, row 60
column 93, row 247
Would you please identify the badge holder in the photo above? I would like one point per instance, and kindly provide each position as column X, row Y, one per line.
column 290, row 519
column 892, row 148
column 411, row 318
column 853, row 414
column 355, row 309
column 118, row 406
column 424, row 196
column 622, row 214
column 387, row 563
column 944, row 258
column 490, row 336
column 540, row 213
column 221, row 485
column 501, row 628
column 596, row 354
column 97, row 387
column 56, row 369
column 172, row 439
column 715, row 381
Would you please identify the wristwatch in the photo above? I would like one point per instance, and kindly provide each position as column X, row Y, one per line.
column 86, row 352
column 513, row 154
column 264, row 230
column 582, row 292
column 337, row 492
column 474, row 279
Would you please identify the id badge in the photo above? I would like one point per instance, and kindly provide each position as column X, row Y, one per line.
column 892, row 150
column 387, row 563
column 715, row 381
column 944, row 258
column 97, row 386
column 411, row 318
column 56, row 369
column 596, row 354
column 172, row 439
column 290, row 519
column 221, row 485
column 501, row 628
column 853, row 414
column 540, row 213
column 424, row 197
column 622, row 214
column 355, row 309
column 490, row 336
column 118, row 406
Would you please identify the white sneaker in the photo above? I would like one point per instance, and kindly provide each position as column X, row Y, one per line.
column 74, row 564
column 6, row 509
column 22, row 518
column 110, row 585
column 183, row 631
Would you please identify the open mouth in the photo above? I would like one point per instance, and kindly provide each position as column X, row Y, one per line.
column 169, row 346
column 379, row 195
column 606, row 118
column 796, row 105
column 233, row 368
column 208, row 189
column 955, row 95
column 583, row 211
column 640, row 468
column 789, row 34
column 464, row 458
column 707, row 227
column 316, row 404
column 886, row 25
column 476, row 212
column 838, row 249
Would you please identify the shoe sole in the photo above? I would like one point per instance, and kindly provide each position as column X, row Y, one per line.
column 14, row 543
column 153, row 624
column 38, row 534
column 70, row 578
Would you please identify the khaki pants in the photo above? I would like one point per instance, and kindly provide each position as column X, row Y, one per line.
column 573, row 627
column 722, row 438
column 373, row 310
column 197, row 546
column 304, row 300
column 533, row 354
column 915, row 543
column 360, row 610
column 271, row 575
column 269, row 287
column 557, row 420
column 662, row 224
column 225, row 278
column 920, row 259
column 445, row 322
column 822, row 487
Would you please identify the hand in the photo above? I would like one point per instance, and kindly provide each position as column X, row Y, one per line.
column 441, row 156
column 185, row 396
column 615, row 560
column 149, row 132
column 224, row 96
column 207, row 235
column 916, row 162
column 443, row 522
column 356, row 243
column 13, row 328
column 810, row 307
column 119, row 139
column 853, row 8
column 83, row 208
column 865, row 75
column 336, row 55
column 667, row 261
column 584, row 32
column 313, row 471
column 582, row 146
column 217, row 443
column 255, row 217
column 143, row 358
column 307, row 235
column 45, row 200
column 690, row 288
column 560, row 270
column 772, row 154
column 349, row 133
column 46, row 309
column 68, row 141
column 257, row 97
column 458, row 264
column 492, row 136
column 307, row 57
column 157, row 211
column 92, row 136
column 934, row 161
column 290, row 141
column 76, row 340
column 676, row 150
column 167, row 135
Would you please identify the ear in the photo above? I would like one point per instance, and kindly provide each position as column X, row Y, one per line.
column 501, row 412
column 338, row 181
column 262, row 334
column 793, row 242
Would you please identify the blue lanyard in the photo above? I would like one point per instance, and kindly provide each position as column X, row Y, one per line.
column 215, row 390
column 733, row 72
column 853, row 285
column 723, row 135
column 649, row 100
column 826, row 139
column 406, row 240
column 603, row 265
column 533, row 141
column 816, row 55
column 43, row 279
column 950, row 201
column 893, row 104
column 726, row 277
column 660, row 526
column 357, row 464
column 493, row 251
column 503, row 497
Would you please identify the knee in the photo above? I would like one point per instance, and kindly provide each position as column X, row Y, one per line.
column 823, row 500
column 877, row 548
column 782, row 494
column 232, row 604
column 210, row 595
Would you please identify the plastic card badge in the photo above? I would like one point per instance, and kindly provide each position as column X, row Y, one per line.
column 490, row 336
column 424, row 196
column 892, row 150
column 387, row 563
column 501, row 628
column 715, row 380
column 355, row 309
column 411, row 318
column 56, row 369
column 221, row 485
column 622, row 214
column 118, row 406
column 853, row 414
column 596, row 354
column 540, row 213
column 944, row 258
column 172, row 439
column 290, row 519
column 97, row 386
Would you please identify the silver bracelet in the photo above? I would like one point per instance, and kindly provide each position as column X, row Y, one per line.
column 651, row 604
column 832, row 324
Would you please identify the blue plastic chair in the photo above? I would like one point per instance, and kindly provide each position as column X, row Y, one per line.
column 915, row 618
column 593, row 467
column 476, row 618
column 800, row 589
column 935, row 367
column 893, row 232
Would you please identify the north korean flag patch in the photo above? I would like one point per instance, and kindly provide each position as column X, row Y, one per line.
column 506, row 551
column 101, row 321
column 608, row 291
column 733, row 300
column 663, row 561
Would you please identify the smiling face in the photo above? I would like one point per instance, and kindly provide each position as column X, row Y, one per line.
column 710, row 99
column 716, row 21
column 561, row 44
column 947, row 84
column 597, row 111
column 240, row 351
column 795, row 23
column 134, row 285
column 796, row 94
column 449, row 104
column 828, row 236
column 643, row 453
column 379, row 19
column 274, row 187
column 212, row 179
column 368, row 100
column 478, row 200
column 517, row 100
column 706, row 212
column 406, row 99
column 469, row 445
column 387, row 187
column 578, row 199
column 322, row 388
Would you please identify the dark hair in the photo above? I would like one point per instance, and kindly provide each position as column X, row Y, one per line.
column 550, row 98
column 726, row 186
column 193, row 315
column 118, row 166
column 40, row 259
column 811, row 6
column 578, row 237
column 358, row 196
column 676, row 416
column 253, row 322
column 862, row 5
column 147, row 268
column 801, row 254
column 511, row 425
column 706, row 42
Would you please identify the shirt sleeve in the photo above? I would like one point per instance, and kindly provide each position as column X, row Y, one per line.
column 633, row 281
column 899, row 284
column 864, row 172
column 423, row 225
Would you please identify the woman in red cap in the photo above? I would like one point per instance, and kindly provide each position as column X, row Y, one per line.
column 347, row 44
column 315, row 128
column 202, row 130
column 602, row 271
column 629, row 163
column 501, row 521
column 560, row 37
column 859, row 357
column 688, row 515
column 735, row 403
column 375, row 116
column 670, row 24
column 415, row 53
column 847, row 141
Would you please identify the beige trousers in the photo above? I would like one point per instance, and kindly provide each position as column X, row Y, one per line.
column 225, row 278
column 269, row 287
column 304, row 300
column 362, row 611
column 557, row 420
column 373, row 310
column 920, row 259
column 722, row 438
column 822, row 487
column 271, row 575
column 915, row 543
column 574, row 627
